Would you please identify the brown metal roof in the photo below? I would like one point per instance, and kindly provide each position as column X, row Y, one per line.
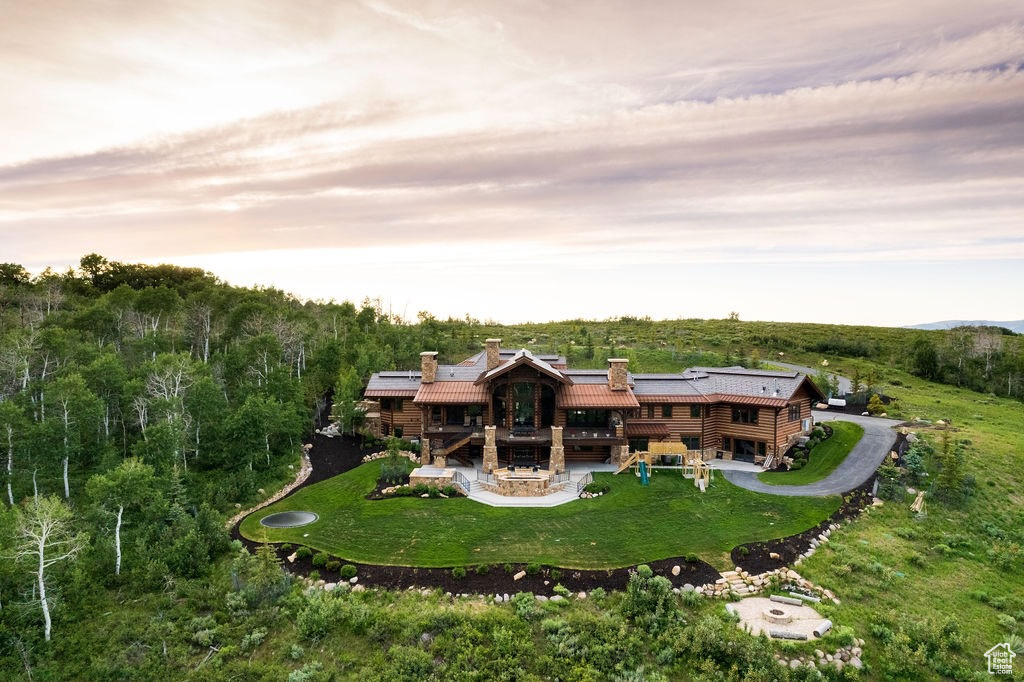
column 580, row 396
column 647, row 429
column 651, row 398
column 451, row 393
column 386, row 392
column 749, row 400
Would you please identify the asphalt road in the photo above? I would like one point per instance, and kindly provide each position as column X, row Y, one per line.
column 858, row 466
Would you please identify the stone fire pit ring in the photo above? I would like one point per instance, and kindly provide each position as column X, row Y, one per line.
column 288, row 519
column 777, row 614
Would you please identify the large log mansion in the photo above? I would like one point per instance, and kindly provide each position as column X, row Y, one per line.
column 503, row 407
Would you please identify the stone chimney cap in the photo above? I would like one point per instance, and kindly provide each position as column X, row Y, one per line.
column 426, row 353
column 492, row 340
column 618, row 360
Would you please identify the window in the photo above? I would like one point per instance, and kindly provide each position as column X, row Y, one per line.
column 637, row 444
column 694, row 411
column 744, row 415
column 398, row 404
column 691, row 442
column 587, row 418
column 727, row 444
column 650, row 411
column 666, row 411
column 762, row 448
column 385, row 403
column 794, row 412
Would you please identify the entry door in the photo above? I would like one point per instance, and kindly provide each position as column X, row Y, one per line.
column 743, row 450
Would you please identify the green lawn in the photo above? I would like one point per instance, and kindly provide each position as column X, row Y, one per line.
column 824, row 458
column 630, row 525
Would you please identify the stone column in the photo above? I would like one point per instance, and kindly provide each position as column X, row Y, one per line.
column 425, row 452
column 620, row 453
column 557, row 462
column 490, row 449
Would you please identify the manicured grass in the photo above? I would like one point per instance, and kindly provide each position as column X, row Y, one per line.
column 630, row 525
column 824, row 458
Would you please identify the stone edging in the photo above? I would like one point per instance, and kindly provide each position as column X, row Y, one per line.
column 304, row 471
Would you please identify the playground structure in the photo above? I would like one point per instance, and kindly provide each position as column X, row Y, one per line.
column 689, row 463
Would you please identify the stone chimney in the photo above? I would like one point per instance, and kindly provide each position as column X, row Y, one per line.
column 617, row 374
column 493, row 354
column 428, row 366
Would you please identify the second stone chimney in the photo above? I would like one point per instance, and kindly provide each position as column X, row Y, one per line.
column 617, row 374
column 493, row 353
column 428, row 366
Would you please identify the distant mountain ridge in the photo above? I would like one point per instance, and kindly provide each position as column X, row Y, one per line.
column 1016, row 326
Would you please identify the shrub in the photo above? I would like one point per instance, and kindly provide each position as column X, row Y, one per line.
column 596, row 488
column 1006, row 622
column 509, row 568
column 314, row 575
column 843, row 635
column 555, row 574
column 348, row 571
column 392, row 473
column 420, row 489
column 286, row 547
column 562, row 590
column 254, row 638
column 532, row 568
column 482, row 569
column 321, row 611
column 525, row 606
column 649, row 600
column 449, row 491
column 303, row 553
column 333, row 566
column 320, row 559
column 598, row 594
column 691, row 598
column 433, row 492
column 459, row 572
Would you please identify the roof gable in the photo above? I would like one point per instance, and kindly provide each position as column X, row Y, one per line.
column 524, row 358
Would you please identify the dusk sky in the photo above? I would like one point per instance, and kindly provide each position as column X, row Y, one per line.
column 847, row 162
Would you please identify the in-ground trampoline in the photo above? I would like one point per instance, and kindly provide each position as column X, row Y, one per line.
column 288, row 519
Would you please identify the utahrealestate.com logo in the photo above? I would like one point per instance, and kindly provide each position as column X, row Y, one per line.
column 1000, row 659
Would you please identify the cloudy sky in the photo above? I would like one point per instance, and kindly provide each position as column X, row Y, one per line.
column 517, row 160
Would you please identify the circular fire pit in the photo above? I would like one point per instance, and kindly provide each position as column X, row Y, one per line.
column 288, row 519
column 777, row 615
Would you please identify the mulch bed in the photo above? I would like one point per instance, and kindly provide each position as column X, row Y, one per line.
column 754, row 557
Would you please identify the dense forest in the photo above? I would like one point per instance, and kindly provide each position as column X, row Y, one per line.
column 140, row 406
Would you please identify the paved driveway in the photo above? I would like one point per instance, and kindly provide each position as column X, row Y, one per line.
column 858, row 466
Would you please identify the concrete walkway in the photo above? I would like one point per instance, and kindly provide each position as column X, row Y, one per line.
column 858, row 466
